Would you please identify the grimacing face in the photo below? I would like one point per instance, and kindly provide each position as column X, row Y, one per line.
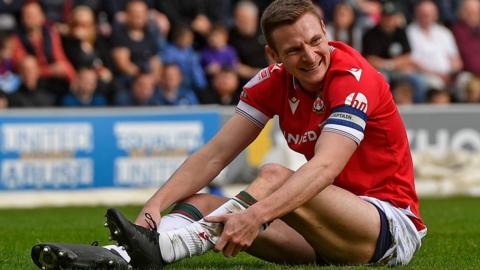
column 303, row 49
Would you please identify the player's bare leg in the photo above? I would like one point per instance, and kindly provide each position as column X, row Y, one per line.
column 341, row 227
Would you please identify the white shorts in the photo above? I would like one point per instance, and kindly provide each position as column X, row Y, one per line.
column 406, row 240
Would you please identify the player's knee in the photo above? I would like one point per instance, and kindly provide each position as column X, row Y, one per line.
column 205, row 203
column 274, row 174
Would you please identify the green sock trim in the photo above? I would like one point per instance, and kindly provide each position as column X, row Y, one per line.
column 246, row 198
column 187, row 210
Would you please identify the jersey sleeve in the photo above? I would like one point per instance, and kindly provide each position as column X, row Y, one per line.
column 352, row 103
column 256, row 98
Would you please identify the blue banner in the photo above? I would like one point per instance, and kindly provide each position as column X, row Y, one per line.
column 98, row 151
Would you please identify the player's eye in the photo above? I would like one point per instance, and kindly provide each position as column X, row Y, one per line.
column 292, row 51
column 316, row 41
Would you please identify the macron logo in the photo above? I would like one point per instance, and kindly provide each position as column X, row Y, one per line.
column 293, row 101
column 358, row 101
column 356, row 72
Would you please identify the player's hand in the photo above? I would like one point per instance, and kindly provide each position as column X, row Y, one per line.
column 142, row 219
column 239, row 231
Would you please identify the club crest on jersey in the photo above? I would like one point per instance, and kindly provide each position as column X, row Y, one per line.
column 318, row 106
column 358, row 101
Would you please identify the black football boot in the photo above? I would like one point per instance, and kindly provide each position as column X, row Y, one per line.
column 140, row 243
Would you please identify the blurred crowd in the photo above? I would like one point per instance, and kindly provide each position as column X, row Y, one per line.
column 83, row 53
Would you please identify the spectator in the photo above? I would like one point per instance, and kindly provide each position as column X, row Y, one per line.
column 447, row 11
column 32, row 92
column 143, row 92
column 225, row 88
column 114, row 15
column 84, row 91
column 84, row 48
column 57, row 13
column 467, row 34
column 466, row 31
column 403, row 93
column 247, row 39
column 134, row 49
column 43, row 42
column 344, row 27
column 95, row 5
column 9, row 10
column 433, row 47
column 261, row 4
column 3, row 100
column 9, row 81
column 328, row 8
column 181, row 53
column 171, row 92
column 386, row 47
column 438, row 97
column 369, row 12
column 115, row 11
column 473, row 91
column 199, row 15
column 218, row 54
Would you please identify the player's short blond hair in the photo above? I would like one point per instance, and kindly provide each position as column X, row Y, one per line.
column 285, row 12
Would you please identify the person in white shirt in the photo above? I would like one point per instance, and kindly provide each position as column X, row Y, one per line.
column 433, row 47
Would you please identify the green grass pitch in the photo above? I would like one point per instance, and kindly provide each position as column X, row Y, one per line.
column 453, row 240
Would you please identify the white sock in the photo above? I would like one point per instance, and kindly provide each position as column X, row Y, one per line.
column 196, row 238
column 173, row 221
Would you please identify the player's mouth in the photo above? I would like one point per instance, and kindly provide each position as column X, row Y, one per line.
column 311, row 68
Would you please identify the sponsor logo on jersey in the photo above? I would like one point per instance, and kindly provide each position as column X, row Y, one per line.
column 356, row 72
column 293, row 101
column 308, row 136
column 358, row 101
column 264, row 73
column 258, row 78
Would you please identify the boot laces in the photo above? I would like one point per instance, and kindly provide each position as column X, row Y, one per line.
column 153, row 224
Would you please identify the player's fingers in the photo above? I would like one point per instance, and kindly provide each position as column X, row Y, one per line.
column 215, row 219
column 238, row 249
column 220, row 245
column 229, row 249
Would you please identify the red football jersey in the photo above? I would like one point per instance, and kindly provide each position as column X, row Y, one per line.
column 355, row 101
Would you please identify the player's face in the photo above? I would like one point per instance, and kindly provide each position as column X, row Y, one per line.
column 303, row 49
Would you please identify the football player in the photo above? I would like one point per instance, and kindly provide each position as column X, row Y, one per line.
column 353, row 202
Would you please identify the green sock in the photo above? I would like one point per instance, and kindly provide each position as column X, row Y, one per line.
column 187, row 210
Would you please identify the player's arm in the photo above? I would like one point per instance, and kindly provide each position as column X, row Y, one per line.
column 204, row 165
column 332, row 152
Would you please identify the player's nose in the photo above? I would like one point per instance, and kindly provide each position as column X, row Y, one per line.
column 309, row 55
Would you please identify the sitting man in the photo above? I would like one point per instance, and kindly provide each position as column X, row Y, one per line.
column 353, row 202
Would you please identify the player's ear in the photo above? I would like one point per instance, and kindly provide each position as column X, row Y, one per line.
column 272, row 54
